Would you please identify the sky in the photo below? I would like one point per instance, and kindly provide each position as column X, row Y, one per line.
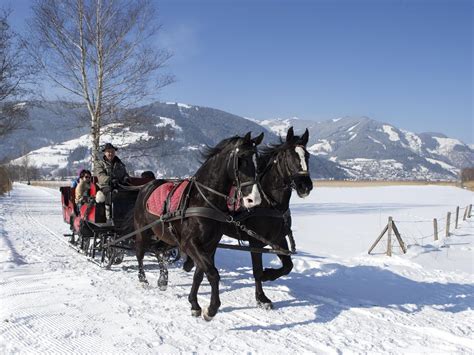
column 406, row 63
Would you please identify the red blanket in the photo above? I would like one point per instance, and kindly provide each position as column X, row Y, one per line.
column 156, row 202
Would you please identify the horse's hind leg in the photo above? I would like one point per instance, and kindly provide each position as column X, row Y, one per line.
column 140, row 253
column 162, row 263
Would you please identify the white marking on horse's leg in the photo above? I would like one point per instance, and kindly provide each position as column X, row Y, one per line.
column 300, row 152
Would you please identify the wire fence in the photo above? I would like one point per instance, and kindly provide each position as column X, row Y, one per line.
column 415, row 228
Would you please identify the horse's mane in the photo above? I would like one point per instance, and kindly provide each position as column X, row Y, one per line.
column 208, row 152
column 271, row 149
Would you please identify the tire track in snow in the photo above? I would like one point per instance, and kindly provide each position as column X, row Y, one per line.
column 31, row 316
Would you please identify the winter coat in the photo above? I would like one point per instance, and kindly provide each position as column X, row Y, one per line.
column 107, row 171
column 81, row 189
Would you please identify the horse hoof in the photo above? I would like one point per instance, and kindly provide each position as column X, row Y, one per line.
column 206, row 315
column 162, row 287
column 196, row 312
column 265, row 305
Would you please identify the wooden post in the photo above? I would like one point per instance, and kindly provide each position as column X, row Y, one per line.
column 448, row 219
column 399, row 237
column 470, row 210
column 457, row 217
column 389, row 236
column 465, row 213
column 378, row 238
column 435, row 227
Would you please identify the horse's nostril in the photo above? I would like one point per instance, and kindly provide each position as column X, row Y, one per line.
column 249, row 200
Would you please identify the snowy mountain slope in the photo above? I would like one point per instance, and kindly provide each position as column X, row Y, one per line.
column 166, row 138
column 371, row 149
column 336, row 300
column 163, row 137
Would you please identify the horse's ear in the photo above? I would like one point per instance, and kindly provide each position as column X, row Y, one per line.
column 305, row 137
column 257, row 140
column 247, row 137
column 290, row 134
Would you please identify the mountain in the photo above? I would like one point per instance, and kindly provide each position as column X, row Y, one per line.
column 167, row 138
column 163, row 137
column 368, row 149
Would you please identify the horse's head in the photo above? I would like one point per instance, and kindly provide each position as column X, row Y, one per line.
column 297, row 159
column 242, row 169
column 290, row 160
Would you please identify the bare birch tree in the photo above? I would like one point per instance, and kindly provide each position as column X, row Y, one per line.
column 15, row 72
column 101, row 51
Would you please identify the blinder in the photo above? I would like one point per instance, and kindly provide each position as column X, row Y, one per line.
column 234, row 158
column 284, row 172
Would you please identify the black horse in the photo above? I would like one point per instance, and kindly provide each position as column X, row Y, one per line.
column 231, row 162
column 282, row 167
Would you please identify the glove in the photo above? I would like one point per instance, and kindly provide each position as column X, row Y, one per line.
column 114, row 182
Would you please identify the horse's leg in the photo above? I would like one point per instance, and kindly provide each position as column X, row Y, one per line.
column 188, row 264
column 140, row 253
column 204, row 265
column 270, row 274
column 257, row 265
column 163, row 279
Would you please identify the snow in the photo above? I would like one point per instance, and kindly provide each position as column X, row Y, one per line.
column 56, row 155
column 179, row 104
column 392, row 134
column 353, row 135
column 337, row 299
column 354, row 126
column 414, row 141
column 321, row 148
column 442, row 164
column 336, row 119
column 446, row 145
column 377, row 141
column 165, row 121
column 279, row 127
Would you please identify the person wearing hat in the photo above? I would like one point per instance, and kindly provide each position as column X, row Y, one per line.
column 110, row 171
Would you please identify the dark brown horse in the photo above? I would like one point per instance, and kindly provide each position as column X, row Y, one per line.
column 282, row 168
column 232, row 162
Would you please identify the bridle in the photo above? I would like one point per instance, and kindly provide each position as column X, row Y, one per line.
column 283, row 171
column 234, row 160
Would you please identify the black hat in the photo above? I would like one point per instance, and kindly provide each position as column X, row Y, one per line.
column 108, row 146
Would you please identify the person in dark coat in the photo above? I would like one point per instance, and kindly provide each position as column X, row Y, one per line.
column 110, row 172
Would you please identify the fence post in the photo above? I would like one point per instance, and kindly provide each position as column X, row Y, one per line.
column 465, row 213
column 448, row 219
column 457, row 217
column 389, row 236
column 470, row 210
column 435, row 227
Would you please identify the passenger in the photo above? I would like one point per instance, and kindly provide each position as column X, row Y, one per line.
column 148, row 175
column 110, row 171
column 83, row 187
column 74, row 182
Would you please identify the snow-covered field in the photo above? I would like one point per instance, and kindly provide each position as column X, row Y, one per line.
column 337, row 298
